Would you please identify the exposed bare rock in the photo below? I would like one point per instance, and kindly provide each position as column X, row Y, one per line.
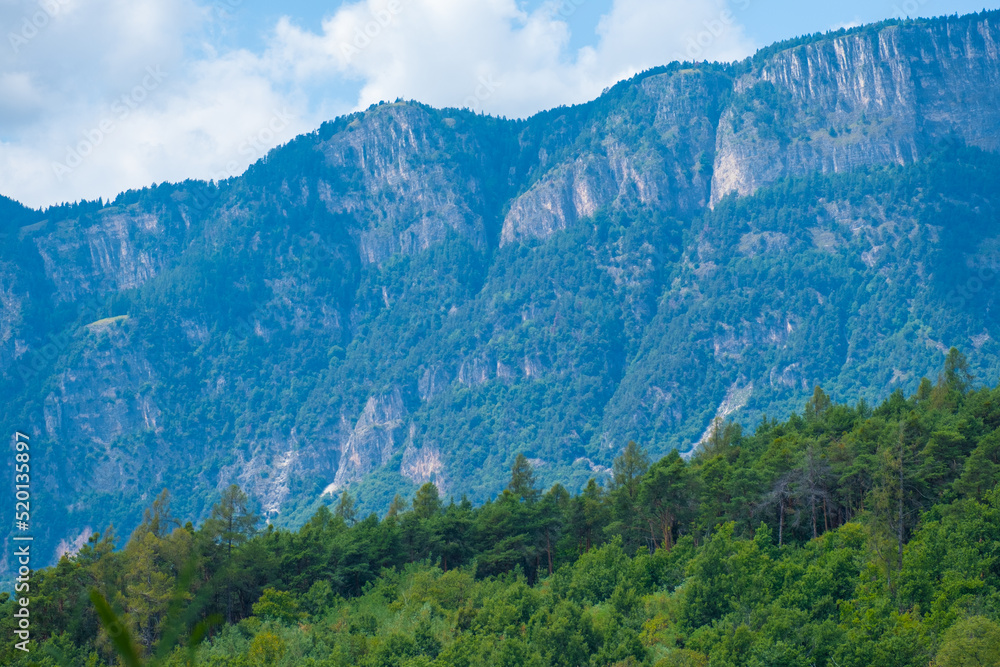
column 109, row 252
column 668, row 168
column 475, row 371
column 422, row 464
column 404, row 202
column 376, row 436
column 433, row 381
column 736, row 398
column 866, row 98
column 12, row 302
column 103, row 396
column 419, row 292
column 564, row 196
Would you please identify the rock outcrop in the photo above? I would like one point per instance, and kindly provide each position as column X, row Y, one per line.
column 869, row 97
column 411, row 295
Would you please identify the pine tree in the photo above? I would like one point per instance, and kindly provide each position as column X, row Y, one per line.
column 522, row 479
column 957, row 375
column 427, row 502
column 157, row 519
column 629, row 469
column 231, row 525
column 811, row 479
column 953, row 381
column 345, row 509
column 924, row 390
column 551, row 518
column 817, row 406
column 665, row 495
column 396, row 507
column 147, row 590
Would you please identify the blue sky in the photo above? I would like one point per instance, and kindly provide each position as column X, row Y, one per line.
column 766, row 21
column 97, row 96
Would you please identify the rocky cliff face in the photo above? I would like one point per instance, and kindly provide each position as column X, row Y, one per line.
column 411, row 295
column 12, row 305
column 867, row 98
column 656, row 152
column 104, row 395
column 375, row 438
column 386, row 174
column 114, row 252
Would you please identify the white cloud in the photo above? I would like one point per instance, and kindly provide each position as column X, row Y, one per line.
column 846, row 25
column 76, row 79
column 493, row 56
column 81, row 116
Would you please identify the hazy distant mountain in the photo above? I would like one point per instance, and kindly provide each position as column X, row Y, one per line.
column 412, row 294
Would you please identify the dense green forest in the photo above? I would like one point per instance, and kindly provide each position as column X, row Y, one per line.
column 846, row 535
column 411, row 294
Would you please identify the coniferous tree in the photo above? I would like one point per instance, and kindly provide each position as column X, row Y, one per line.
column 522, row 479
column 427, row 502
column 666, row 495
column 817, row 406
column 397, row 506
column 957, row 375
column 810, row 483
column 157, row 518
column 230, row 525
column 345, row 509
column 627, row 516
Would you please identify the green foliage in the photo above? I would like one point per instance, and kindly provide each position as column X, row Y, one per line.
column 888, row 556
column 276, row 606
column 346, row 510
column 972, row 642
column 266, row 649
column 264, row 310
column 427, row 502
column 522, row 479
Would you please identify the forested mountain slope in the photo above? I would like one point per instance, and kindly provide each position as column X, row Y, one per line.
column 848, row 535
column 411, row 294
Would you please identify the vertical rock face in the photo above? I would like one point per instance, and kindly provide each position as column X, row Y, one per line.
column 564, row 195
column 12, row 304
column 102, row 397
column 376, row 436
column 412, row 175
column 433, row 381
column 412, row 295
column 656, row 152
column 867, row 98
column 422, row 463
column 108, row 252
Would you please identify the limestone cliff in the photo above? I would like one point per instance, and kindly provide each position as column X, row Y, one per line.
column 869, row 97
column 410, row 294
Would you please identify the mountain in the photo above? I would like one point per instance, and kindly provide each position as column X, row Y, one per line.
column 411, row 294
column 848, row 536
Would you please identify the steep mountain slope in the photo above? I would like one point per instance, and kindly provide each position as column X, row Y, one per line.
column 884, row 94
column 412, row 294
